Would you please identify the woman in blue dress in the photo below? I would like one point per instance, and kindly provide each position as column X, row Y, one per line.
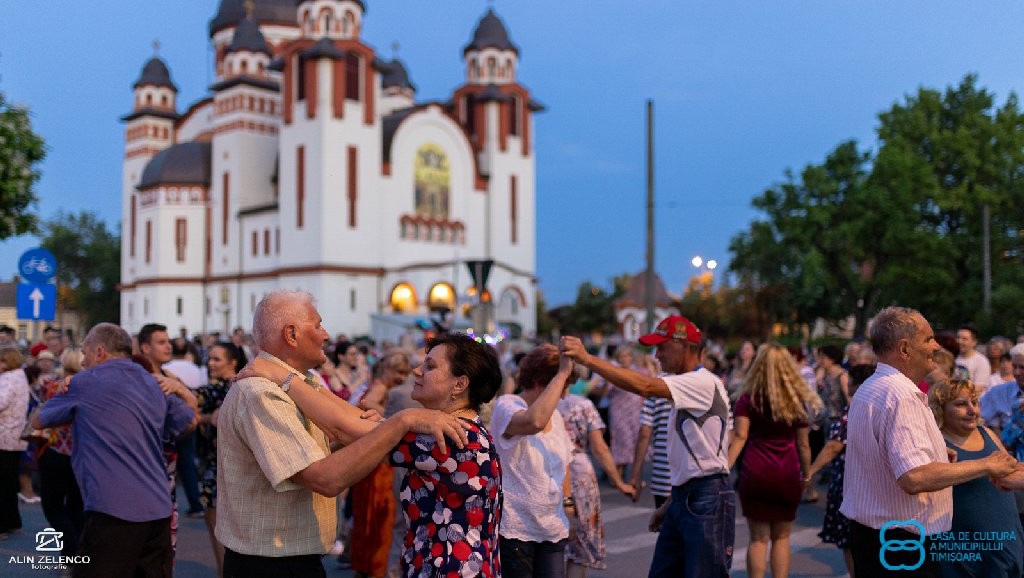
column 980, row 508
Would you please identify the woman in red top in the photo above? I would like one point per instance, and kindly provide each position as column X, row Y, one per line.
column 771, row 425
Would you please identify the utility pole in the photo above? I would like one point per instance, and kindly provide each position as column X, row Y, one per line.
column 649, row 276
column 987, row 250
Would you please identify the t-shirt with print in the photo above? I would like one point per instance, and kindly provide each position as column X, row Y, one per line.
column 533, row 469
column 699, row 425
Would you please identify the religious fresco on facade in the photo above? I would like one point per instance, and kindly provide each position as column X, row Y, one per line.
column 432, row 177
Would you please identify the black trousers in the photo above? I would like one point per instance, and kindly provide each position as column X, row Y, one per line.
column 117, row 548
column 246, row 566
column 62, row 500
column 10, row 518
column 866, row 546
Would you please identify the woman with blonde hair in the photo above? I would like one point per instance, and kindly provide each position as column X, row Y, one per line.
column 771, row 425
column 979, row 507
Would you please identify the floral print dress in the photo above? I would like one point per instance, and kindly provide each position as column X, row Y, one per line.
column 209, row 397
column 586, row 547
column 452, row 505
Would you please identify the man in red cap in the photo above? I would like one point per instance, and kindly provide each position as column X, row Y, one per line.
column 698, row 522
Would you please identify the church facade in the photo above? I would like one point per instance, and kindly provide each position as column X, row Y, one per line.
column 312, row 166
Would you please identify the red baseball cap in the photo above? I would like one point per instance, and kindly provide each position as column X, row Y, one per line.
column 673, row 327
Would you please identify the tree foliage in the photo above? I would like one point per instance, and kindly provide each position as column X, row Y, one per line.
column 89, row 263
column 594, row 311
column 21, row 151
column 902, row 224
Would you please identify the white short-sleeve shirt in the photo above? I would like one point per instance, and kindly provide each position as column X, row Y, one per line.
column 532, row 473
column 699, row 424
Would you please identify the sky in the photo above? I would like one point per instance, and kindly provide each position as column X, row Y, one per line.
column 742, row 92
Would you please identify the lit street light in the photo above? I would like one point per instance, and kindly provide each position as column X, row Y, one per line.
column 697, row 261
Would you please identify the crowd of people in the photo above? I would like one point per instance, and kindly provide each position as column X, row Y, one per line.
column 461, row 459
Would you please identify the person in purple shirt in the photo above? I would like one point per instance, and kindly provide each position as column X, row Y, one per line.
column 119, row 419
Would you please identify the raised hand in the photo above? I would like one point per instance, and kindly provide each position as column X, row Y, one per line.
column 573, row 348
column 437, row 424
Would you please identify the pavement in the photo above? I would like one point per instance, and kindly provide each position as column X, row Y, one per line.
column 628, row 543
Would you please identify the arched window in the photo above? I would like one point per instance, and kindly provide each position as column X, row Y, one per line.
column 149, row 99
column 163, row 100
column 442, row 297
column 348, row 24
column 492, row 67
column 327, row 23
column 242, row 66
column 403, row 298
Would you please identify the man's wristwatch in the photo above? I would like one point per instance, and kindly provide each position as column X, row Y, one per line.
column 287, row 383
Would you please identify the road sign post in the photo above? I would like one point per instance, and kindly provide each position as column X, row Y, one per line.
column 37, row 293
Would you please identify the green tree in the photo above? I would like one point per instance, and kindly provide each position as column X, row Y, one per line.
column 594, row 308
column 904, row 225
column 21, row 150
column 949, row 154
column 89, row 263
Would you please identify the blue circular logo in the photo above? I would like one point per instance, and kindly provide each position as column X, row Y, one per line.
column 37, row 266
column 902, row 545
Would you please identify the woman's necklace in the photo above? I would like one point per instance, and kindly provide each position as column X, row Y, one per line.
column 465, row 412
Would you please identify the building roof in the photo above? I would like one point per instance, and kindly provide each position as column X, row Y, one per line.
column 232, row 12
column 248, row 37
column 324, row 48
column 248, row 81
column 490, row 33
column 636, row 294
column 390, row 124
column 492, row 93
column 8, row 293
column 155, row 73
column 394, row 74
column 185, row 163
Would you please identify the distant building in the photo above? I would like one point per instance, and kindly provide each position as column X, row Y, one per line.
column 631, row 308
column 312, row 166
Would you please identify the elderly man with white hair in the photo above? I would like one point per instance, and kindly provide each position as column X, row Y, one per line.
column 276, row 477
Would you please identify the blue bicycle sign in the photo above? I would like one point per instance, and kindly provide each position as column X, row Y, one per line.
column 37, row 266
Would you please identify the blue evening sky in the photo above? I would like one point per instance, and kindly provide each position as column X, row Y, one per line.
column 742, row 91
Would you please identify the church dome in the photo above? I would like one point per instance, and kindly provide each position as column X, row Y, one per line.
column 491, row 33
column 155, row 73
column 248, row 37
column 181, row 164
column 394, row 75
column 231, row 12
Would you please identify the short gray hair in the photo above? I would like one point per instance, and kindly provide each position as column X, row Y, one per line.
column 112, row 337
column 1017, row 350
column 274, row 311
column 890, row 326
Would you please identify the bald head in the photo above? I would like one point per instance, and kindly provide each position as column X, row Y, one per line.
column 275, row 312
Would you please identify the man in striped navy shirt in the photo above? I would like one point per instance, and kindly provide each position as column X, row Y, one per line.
column 897, row 468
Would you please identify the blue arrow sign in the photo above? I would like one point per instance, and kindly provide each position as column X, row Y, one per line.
column 37, row 302
column 37, row 266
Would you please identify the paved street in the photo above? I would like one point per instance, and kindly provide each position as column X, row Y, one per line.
column 630, row 545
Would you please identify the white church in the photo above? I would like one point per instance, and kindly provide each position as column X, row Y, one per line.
column 311, row 165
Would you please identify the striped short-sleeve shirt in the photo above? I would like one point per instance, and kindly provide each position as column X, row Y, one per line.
column 891, row 431
column 655, row 416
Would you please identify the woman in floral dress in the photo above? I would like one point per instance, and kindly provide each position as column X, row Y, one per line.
column 452, row 499
column 225, row 360
column 585, row 548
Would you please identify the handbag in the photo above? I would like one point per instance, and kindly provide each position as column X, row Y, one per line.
column 31, row 434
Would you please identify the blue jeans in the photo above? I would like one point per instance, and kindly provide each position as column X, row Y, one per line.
column 187, row 474
column 698, row 531
column 521, row 559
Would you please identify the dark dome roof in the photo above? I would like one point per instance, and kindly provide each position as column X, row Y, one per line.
column 324, row 48
column 490, row 33
column 394, row 74
column 181, row 164
column 231, row 12
column 155, row 72
column 248, row 37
